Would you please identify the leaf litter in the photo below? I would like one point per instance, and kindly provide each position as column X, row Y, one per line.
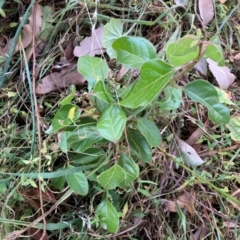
column 206, row 10
column 222, row 75
column 91, row 45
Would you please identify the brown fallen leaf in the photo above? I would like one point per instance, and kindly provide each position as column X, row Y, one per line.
column 25, row 40
column 121, row 73
column 69, row 51
column 201, row 66
column 37, row 234
column 196, row 135
column 222, row 74
column 201, row 233
column 59, row 80
column 91, row 45
column 27, row 32
column 186, row 201
column 206, row 10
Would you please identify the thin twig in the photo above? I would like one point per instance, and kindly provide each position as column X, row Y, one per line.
column 38, row 120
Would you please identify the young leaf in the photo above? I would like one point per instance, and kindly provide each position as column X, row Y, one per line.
column 214, row 52
column 112, row 123
column 172, row 100
column 65, row 116
column 108, row 216
column 80, row 139
column 133, row 51
column 189, row 155
column 155, row 75
column 150, row 131
column 112, row 177
column 139, row 144
column 224, row 96
column 78, row 183
column 203, row 92
column 92, row 68
column 182, row 51
column 234, row 127
column 131, row 170
column 103, row 92
column 112, row 31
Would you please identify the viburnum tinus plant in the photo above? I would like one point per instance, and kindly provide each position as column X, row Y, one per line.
column 106, row 142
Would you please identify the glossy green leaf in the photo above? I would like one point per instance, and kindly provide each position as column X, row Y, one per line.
column 112, row 31
column 203, row 92
column 65, row 116
column 150, row 131
column 87, row 157
column 108, row 216
column 112, row 177
column 102, row 91
column 139, row 144
column 154, row 76
column 78, row 183
column 92, row 68
column 80, row 139
column 112, row 123
column 131, row 170
column 133, row 51
column 182, row 51
column 172, row 100
column 234, row 127
column 101, row 105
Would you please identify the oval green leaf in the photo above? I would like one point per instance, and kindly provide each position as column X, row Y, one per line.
column 102, row 91
column 111, row 178
column 182, row 51
column 112, row 123
column 150, row 131
column 203, row 92
column 108, row 216
column 92, row 68
column 78, row 183
column 139, row 144
column 154, row 76
column 131, row 170
column 112, row 31
column 133, row 51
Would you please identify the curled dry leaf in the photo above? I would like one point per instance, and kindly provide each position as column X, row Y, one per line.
column 186, row 201
column 222, row 74
column 37, row 234
column 201, row 66
column 91, row 45
column 56, row 81
column 25, row 40
column 189, row 155
column 206, row 10
column 27, row 32
column 196, row 135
